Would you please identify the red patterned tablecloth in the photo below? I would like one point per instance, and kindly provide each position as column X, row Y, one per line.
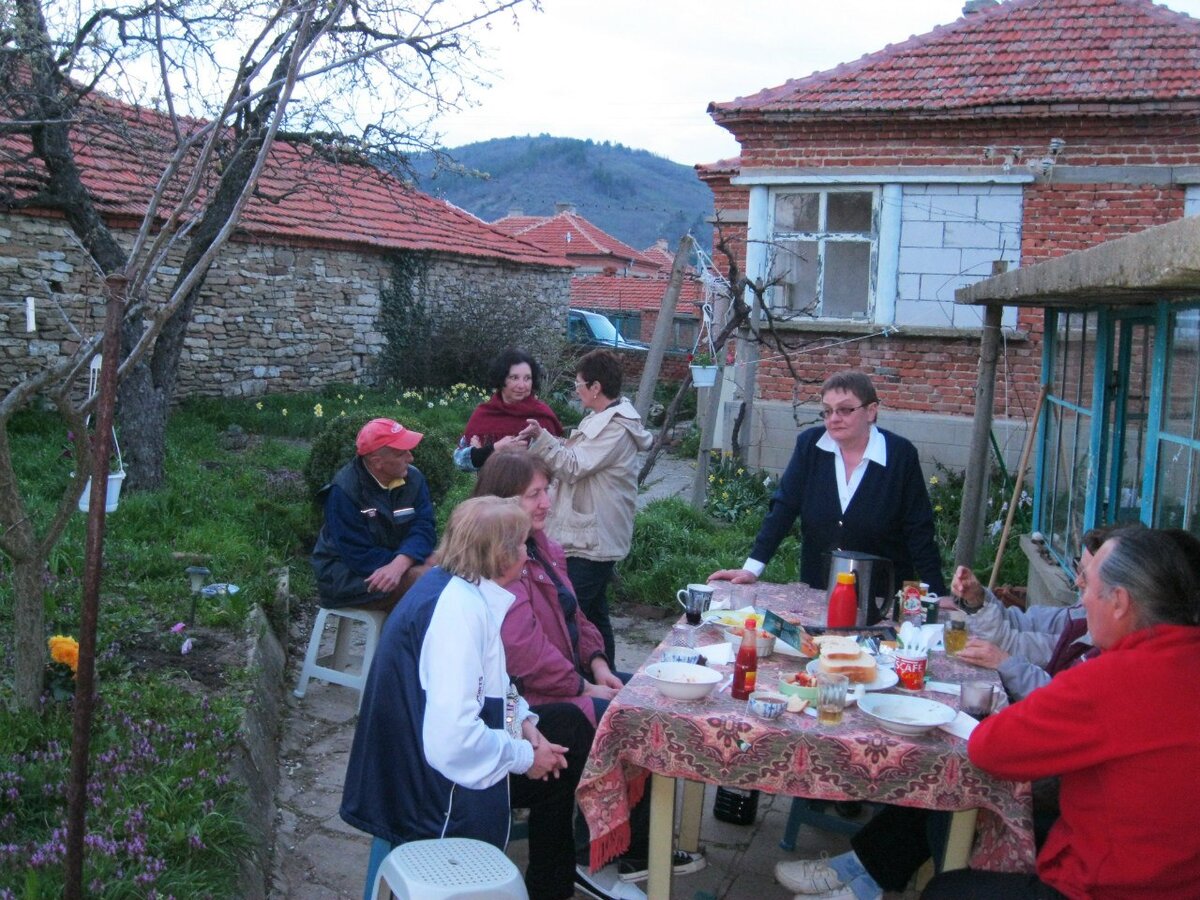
column 715, row 740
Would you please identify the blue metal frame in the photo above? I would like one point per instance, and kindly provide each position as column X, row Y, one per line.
column 1158, row 386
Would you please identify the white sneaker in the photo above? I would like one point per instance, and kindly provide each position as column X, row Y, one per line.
column 606, row 884
column 809, row 876
column 842, row 893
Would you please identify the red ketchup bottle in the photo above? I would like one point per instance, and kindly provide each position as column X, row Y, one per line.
column 745, row 666
column 843, row 602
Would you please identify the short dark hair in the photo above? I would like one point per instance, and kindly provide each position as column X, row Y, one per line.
column 501, row 365
column 856, row 383
column 605, row 367
column 509, row 473
column 1158, row 575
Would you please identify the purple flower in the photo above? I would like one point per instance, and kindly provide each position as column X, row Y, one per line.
column 187, row 647
column 178, row 627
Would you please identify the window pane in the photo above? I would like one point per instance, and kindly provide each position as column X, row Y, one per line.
column 1075, row 357
column 847, row 279
column 1129, row 416
column 849, row 211
column 1178, row 487
column 794, row 270
column 797, row 212
column 1066, row 478
column 1183, row 376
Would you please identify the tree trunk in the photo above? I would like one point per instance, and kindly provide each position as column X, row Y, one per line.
column 29, row 638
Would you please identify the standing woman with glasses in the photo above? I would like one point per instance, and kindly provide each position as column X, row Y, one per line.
column 595, row 477
column 854, row 487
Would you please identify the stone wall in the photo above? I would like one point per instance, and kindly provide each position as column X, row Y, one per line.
column 273, row 317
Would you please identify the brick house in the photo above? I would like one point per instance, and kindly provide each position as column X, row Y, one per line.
column 293, row 301
column 867, row 194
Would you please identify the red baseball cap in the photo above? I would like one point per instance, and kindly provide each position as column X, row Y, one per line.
column 385, row 433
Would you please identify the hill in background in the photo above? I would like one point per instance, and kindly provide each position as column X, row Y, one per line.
column 632, row 194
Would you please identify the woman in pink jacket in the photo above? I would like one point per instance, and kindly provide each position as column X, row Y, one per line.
column 554, row 652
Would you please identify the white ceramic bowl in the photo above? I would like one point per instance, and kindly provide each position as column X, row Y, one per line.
column 681, row 654
column 764, row 643
column 683, row 681
column 906, row 715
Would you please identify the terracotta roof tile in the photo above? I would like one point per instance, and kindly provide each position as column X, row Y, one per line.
column 1022, row 52
column 301, row 193
column 571, row 235
column 616, row 292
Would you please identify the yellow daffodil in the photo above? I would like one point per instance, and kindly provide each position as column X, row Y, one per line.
column 65, row 650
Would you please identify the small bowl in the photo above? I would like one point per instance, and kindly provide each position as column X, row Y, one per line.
column 683, row 681
column 764, row 643
column 798, row 690
column 906, row 715
column 681, row 654
column 766, row 705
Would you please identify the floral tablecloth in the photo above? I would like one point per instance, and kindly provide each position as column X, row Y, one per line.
column 715, row 740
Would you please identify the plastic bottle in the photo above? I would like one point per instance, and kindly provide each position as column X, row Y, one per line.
column 745, row 666
column 843, row 602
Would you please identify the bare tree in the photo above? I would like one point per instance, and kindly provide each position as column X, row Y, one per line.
column 225, row 78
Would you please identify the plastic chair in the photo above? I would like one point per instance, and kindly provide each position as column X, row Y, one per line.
column 457, row 868
column 331, row 668
column 812, row 813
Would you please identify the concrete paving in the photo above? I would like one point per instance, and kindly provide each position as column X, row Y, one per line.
column 318, row 857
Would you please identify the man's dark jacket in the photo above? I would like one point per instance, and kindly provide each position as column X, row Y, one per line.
column 367, row 526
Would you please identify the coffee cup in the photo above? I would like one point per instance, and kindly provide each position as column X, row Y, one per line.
column 910, row 669
column 695, row 600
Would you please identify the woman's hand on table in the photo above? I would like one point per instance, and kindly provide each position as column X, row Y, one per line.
column 984, row 654
column 736, row 576
column 600, row 691
column 603, row 675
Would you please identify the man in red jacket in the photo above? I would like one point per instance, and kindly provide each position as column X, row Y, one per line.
column 1123, row 734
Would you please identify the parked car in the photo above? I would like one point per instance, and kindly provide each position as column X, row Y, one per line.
column 594, row 330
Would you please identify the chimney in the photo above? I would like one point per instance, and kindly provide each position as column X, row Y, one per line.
column 562, row 206
column 974, row 6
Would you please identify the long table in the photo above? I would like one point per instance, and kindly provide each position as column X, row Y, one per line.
column 715, row 740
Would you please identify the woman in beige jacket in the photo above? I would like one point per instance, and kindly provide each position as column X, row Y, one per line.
column 595, row 476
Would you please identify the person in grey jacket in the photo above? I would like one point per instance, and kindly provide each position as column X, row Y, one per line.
column 1022, row 644
column 595, row 476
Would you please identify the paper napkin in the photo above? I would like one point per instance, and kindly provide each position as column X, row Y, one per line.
column 962, row 726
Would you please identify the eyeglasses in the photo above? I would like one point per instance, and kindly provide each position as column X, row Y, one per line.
column 842, row 412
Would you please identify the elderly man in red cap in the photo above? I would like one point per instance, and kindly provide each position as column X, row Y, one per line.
column 379, row 525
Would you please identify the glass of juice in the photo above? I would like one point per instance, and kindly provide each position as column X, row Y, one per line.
column 955, row 634
column 831, row 698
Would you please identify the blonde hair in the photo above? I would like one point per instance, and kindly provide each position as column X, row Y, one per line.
column 483, row 538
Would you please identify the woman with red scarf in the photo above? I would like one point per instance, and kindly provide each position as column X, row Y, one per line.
column 515, row 376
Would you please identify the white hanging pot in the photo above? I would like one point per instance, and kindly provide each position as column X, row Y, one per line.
column 703, row 376
column 112, row 495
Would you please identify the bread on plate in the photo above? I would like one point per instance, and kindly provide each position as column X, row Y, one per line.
column 837, row 646
column 841, row 655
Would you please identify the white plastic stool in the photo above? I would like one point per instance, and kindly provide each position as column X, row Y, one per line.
column 457, row 868
column 333, row 672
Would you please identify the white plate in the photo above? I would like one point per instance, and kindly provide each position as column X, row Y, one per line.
column 884, row 678
column 906, row 715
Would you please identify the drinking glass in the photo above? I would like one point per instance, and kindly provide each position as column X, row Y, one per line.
column 975, row 699
column 831, row 698
column 955, row 634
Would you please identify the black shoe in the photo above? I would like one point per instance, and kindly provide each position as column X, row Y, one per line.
column 682, row 863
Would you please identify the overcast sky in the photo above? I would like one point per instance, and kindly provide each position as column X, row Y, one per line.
column 642, row 72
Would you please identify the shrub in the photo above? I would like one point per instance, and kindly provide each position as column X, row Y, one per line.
column 334, row 447
column 945, row 493
column 734, row 491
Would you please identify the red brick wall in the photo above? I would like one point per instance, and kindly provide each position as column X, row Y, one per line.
column 937, row 374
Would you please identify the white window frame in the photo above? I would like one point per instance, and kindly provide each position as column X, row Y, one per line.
column 822, row 238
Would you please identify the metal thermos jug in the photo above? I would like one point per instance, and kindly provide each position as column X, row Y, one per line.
column 873, row 575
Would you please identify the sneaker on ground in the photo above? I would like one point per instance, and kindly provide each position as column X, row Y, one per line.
column 682, row 863
column 842, row 893
column 605, row 884
column 808, row 876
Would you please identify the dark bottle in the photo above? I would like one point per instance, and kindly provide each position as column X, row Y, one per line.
column 843, row 602
column 737, row 806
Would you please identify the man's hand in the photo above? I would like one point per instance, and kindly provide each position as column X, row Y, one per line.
column 737, row 576
column 603, row 675
column 386, row 579
column 984, row 654
column 964, row 584
column 599, row 691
